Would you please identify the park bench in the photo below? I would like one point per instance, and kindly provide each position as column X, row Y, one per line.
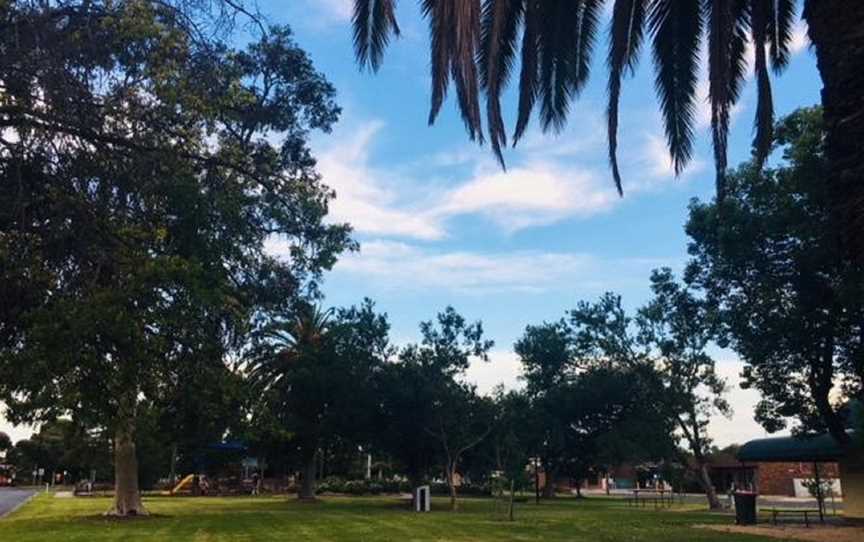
column 787, row 512
column 659, row 498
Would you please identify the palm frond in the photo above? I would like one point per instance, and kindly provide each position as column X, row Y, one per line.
column 499, row 31
column 781, row 22
column 374, row 21
column 529, row 73
column 727, row 40
column 588, row 22
column 625, row 41
column 677, row 29
column 283, row 343
column 764, row 122
column 559, row 34
column 454, row 27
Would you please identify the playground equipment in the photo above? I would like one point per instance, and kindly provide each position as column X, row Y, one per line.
column 187, row 481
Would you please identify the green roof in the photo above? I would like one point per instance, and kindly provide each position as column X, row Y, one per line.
column 821, row 448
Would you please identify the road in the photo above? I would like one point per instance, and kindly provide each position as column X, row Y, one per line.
column 12, row 497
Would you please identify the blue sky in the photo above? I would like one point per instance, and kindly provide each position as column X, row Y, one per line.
column 440, row 223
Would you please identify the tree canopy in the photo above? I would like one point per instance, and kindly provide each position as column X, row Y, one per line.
column 792, row 304
column 146, row 165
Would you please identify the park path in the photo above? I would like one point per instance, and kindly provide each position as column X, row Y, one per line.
column 11, row 498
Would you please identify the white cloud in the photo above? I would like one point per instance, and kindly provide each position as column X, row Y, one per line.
column 503, row 368
column 332, row 10
column 403, row 266
column 800, row 39
column 658, row 163
column 531, row 195
column 363, row 196
column 408, row 201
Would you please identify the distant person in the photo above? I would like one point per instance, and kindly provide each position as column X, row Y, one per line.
column 256, row 479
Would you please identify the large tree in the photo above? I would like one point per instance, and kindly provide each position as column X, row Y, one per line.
column 587, row 408
column 477, row 44
column 793, row 305
column 680, row 327
column 314, row 373
column 548, row 364
column 144, row 164
column 667, row 345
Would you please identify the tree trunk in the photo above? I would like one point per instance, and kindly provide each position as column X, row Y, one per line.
column 836, row 28
column 307, row 486
column 172, row 475
column 510, row 511
column 127, row 497
column 707, row 486
column 549, row 488
column 451, row 481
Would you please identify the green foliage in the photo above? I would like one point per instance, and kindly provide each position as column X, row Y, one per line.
column 312, row 373
column 429, row 417
column 147, row 164
column 769, row 257
column 61, row 445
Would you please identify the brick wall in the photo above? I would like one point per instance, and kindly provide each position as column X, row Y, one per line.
column 777, row 478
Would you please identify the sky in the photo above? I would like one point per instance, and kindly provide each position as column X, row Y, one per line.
column 440, row 223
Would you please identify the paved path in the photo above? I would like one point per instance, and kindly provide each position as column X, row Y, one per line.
column 10, row 498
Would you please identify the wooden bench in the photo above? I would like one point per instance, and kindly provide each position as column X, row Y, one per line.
column 806, row 512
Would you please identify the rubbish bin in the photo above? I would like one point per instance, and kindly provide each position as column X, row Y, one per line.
column 745, row 508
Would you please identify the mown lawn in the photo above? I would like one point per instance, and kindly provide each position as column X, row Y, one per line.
column 47, row 518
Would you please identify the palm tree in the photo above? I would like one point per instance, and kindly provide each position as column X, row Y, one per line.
column 476, row 43
column 282, row 371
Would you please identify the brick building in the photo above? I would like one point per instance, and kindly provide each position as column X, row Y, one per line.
column 787, row 478
column 788, row 458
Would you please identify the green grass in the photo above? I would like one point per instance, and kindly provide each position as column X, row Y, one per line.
column 47, row 518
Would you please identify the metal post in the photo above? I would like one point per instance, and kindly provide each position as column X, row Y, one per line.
column 819, row 498
column 537, row 480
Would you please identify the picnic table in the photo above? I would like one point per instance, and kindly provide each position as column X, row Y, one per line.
column 659, row 496
column 806, row 512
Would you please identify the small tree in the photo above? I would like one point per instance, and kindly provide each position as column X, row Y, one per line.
column 425, row 402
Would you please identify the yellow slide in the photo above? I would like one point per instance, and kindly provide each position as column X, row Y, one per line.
column 182, row 483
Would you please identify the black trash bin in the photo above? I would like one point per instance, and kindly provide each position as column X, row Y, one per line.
column 745, row 508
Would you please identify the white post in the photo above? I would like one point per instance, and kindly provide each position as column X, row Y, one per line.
column 421, row 499
column 368, row 466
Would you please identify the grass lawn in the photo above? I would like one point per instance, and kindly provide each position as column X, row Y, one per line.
column 47, row 518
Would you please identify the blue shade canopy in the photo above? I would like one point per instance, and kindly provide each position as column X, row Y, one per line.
column 820, row 448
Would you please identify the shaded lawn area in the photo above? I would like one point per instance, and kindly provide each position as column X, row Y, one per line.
column 47, row 518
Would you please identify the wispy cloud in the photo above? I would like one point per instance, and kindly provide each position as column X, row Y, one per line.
column 332, row 10
column 550, row 178
column 366, row 197
column 390, row 265
column 531, row 195
column 659, row 164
